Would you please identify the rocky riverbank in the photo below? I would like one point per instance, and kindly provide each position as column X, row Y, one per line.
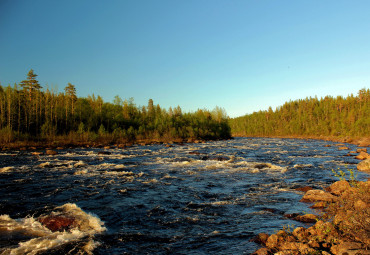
column 342, row 227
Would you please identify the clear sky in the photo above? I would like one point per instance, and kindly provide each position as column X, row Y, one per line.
column 243, row 55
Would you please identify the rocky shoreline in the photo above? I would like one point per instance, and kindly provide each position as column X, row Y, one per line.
column 342, row 226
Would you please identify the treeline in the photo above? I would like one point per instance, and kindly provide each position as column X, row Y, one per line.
column 329, row 116
column 29, row 113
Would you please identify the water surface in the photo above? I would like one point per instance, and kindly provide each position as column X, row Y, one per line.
column 209, row 198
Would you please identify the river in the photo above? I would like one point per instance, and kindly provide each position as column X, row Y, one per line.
column 207, row 198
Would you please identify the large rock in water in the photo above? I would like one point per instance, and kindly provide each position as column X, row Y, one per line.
column 363, row 155
column 337, row 188
column 317, row 195
column 364, row 165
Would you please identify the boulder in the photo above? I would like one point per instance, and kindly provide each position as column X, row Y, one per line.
column 319, row 205
column 363, row 156
column 337, row 188
column 361, row 150
column 304, row 189
column 272, row 241
column 317, row 195
column 307, row 218
column 51, row 152
column 343, row 148
column 261, row 238
column 104, row 153
column 262, row 251
column 350, row 248
column 57, row 222
column 37, row 153
column 364, row 165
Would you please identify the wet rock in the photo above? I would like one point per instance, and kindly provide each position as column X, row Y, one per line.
column 262, row 251
column 217, row 158
column 317, row 195
column 194, row 153
column 307, row 218
column 261, row 238
column 46, row 164
column 51, row 152
column 262, row 165
column 364, row 165
column 57, row 222
column 337, row 188
column 291, row 215
column 319, row 205
column 343, row 148
column 363, row 156
column 37, row 153
column 6, row 169
column 104, row 153
column 361, row 150
column 304, row 189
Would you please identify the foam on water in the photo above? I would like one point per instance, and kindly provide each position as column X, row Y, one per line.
column 6, row 169
column 41, row 238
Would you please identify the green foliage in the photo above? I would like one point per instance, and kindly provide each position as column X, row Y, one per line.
column 33, row 113
column 327, row 116
column 350, row 176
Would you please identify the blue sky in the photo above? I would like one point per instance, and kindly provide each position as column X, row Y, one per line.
column 243, row 56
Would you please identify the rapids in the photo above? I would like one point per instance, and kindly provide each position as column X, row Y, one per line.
column 209, row 198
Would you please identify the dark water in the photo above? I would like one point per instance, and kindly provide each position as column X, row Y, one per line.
column 209, row 198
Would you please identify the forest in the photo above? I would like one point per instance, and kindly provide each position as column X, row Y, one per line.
column 329, row 116
column 30, row 113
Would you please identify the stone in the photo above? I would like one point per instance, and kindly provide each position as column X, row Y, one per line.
column 318, row 195
column 350, row 248
column 299, row 232
column 104, row 153
column 45, row 164
column 304, row 189
column 37, row 153
column 262, row 251
column 361, row 150
column 343, row 148
column 307, row 218
column 319, row 205
column 364, row 165
column 272, row 241
column 360, row 205
column 261, row 238
column 51, row 152
column 57, row 223
column 289, row 246
column 337, row 188
column 363, row 156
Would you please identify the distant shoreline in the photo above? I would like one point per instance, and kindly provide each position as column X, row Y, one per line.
column 68, row 144
column 361, row 142
column 65, row 143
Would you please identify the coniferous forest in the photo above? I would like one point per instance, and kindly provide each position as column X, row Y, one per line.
column 329, row 116
column 30, row 113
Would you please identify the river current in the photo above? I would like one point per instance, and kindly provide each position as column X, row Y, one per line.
column 207, row 198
